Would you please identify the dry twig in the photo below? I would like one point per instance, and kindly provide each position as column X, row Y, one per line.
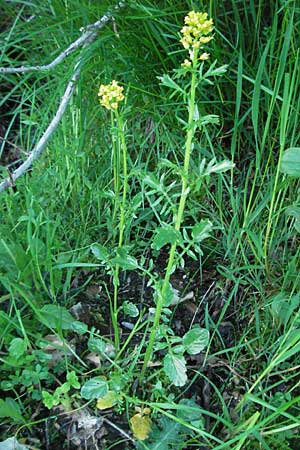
column 88, row 36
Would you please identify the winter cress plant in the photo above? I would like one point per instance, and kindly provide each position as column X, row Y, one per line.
column 181, row 238
column 195, row 34
column 110, row 96
column 73, row 343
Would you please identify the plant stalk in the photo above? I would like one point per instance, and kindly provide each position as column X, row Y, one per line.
column 121, row 229
column 178, row 217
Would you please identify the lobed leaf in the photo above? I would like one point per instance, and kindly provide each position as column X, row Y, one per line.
column 94, row 388
column 175, row 369
column 195, row 340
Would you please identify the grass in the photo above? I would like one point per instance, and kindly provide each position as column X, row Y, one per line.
column 242, row 389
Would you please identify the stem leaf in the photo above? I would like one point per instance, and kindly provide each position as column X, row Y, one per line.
column 94, row 388
column 290, row 163
column 202, row 230
column 175, row 369
column 165, row 235
column 195, row 340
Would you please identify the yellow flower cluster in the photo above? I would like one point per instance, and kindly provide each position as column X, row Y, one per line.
column 195, row 33
column 111, row 95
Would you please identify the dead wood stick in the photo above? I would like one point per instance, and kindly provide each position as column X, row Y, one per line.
column 89, row 34
column 89, row 37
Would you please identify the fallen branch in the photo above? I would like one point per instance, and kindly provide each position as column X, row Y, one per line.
column 89, row 36
column 86, row 38
column 38, row 149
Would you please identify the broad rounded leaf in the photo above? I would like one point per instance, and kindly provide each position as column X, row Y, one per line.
column 96, row 345
column 94, row 388
column 170, row 294
column 79, row 327
column 57, row 317
column 10, row 408
column 290, row 162
column 124, row 260
column 130, row 309
column 175, row 369
column 12, row 444
column 294, row 211
column 17, row 348
column 196, row 340
column 191, row 412
column 100, row 252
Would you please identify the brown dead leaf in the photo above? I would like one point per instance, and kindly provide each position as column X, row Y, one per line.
column 94, row 359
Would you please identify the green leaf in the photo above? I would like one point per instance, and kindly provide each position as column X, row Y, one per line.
column 220, row 167
column 294, row 211
column 100, row 252
column 191, row 413
column 178, row 349
column 165, row 235
column 79, row 327
column 202, row 230
column 130, row 309
column 170, row 295
column 214, row 71
column 152, row 181
column 167, row 434
column 175, row 369
column 167, row 81
column 12, row 444
column 10, row 408
column 49, row 400
column 124, row 260
column 208, row 119
column 57, row 317
column 94, row 388
column 72, row 379
column 17, row 348
column 195, row 340
column 96, row 345
column 290, row 162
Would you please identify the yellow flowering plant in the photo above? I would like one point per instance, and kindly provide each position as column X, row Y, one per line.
column 196, row 33
column 110, row 96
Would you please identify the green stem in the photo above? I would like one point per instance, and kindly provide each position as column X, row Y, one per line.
column 121, row 229
column 116, row 168
column 125, row 179
column 178, row 217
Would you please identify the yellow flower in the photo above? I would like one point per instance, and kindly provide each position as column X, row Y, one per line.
column 204, row 56
column 187, row 63
column 111, row 95
column 195, row 32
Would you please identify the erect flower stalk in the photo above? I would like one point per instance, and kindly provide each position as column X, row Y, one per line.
column 110, row 97
column 195, row 35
